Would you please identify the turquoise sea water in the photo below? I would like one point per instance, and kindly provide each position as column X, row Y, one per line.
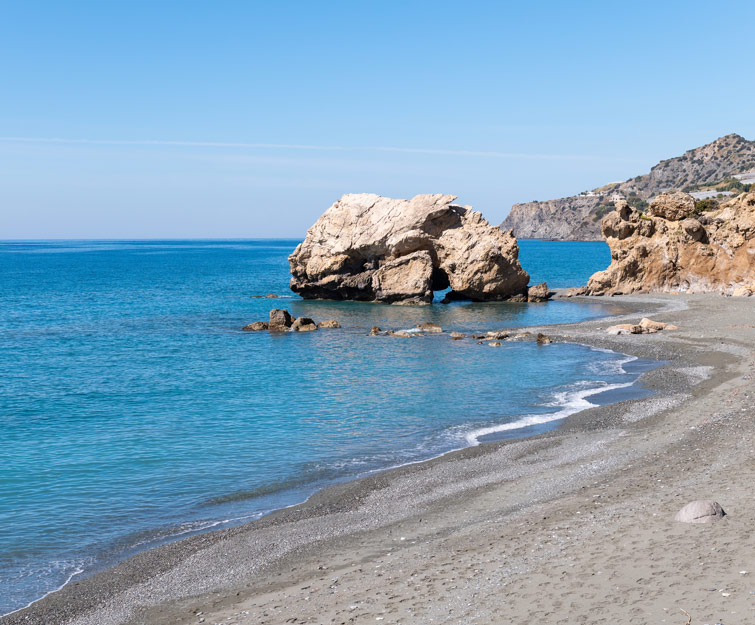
column 134, row 410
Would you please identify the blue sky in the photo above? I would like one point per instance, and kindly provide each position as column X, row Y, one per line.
column 244, row 119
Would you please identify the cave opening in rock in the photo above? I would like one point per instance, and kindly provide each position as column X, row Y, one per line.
column 439, row 279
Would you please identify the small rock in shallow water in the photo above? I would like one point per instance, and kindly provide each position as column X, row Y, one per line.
column 542, row 339
column 495, row 343
column 304, row 324
column 455, row 336
column 430, row 327
column 255, row 327
column 329, row 323
column 280, row 317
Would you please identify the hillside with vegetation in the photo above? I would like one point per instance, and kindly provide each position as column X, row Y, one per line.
column 718, row 168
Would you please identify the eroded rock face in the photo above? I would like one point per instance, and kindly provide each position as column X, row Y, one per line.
column 372, row 248
column 679, row 252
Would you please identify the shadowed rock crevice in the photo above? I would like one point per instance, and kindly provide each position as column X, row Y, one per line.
column 370, row 248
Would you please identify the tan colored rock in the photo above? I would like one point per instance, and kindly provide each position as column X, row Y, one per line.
column 367, row 247
column 329, row 323
column 625, row 328
column 742, row 291
column 375, row 331
column 702, row 511
column 457, row 336
column 430, row 327
column 652, row 253
column 538, row 293
column 495, row 344
column 303, row 324
column 499, row 335
column 649, row 324
column 542, row 339
column 673, row 206
column 255, row 327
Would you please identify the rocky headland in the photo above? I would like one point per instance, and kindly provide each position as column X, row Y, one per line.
column 675, row 246
column 372, row 248
column 711, row 169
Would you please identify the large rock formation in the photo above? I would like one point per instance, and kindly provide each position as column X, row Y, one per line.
column 372, row 248
column 672, row 248
column 578, row 217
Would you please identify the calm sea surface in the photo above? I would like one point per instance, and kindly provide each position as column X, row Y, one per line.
column 133, row 409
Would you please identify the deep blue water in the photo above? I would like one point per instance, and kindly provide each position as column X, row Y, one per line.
column 134, row 410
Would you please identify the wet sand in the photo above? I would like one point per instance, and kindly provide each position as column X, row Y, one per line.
column 571, row 526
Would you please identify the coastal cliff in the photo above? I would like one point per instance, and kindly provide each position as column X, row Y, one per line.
column 675, row 246
column 707, row 169
column 371, row 248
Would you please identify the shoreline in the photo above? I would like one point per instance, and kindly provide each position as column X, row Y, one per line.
column 367, row 507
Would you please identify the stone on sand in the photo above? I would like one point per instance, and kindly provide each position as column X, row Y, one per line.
column 701, row 511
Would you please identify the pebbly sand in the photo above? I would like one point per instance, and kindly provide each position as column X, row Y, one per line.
column 571, row 526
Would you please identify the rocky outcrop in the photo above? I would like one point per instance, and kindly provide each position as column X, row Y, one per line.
column 371, row 248
column 577, row 218
column 671, row 249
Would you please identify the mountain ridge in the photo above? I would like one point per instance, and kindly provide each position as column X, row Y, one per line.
column 577, row 217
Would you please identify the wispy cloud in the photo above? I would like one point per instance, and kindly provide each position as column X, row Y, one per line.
column 298, row 147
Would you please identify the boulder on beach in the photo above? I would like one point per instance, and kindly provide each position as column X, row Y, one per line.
column 255, row 327
column 701, row 511
column 538, row 293
column 373, row 248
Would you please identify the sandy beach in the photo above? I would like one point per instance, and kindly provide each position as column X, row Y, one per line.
column 571, row 526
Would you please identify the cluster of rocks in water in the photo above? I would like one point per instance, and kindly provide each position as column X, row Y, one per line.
column 371, row 248
column 493, row 338
column 282, row 321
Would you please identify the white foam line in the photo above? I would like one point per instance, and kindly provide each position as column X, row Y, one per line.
column 574, row 402
column 78, row 571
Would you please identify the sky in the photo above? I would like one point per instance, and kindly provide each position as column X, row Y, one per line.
column 248, row 119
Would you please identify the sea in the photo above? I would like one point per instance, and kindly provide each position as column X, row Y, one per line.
column 135, row 411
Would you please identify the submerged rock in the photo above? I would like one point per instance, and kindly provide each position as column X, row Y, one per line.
column 255, row 327
column 372, row 248
column 329, row 323
column 430, row 327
